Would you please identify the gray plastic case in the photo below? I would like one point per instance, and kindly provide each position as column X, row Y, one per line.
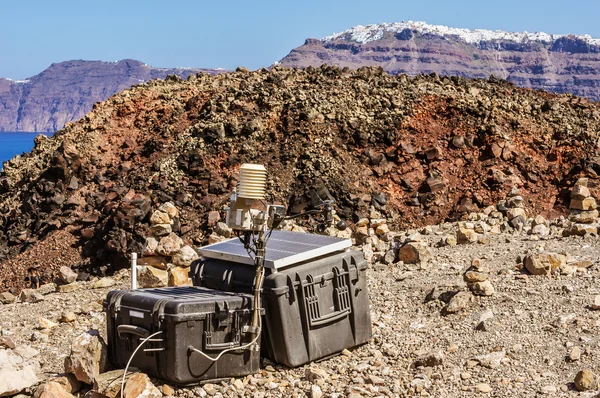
column 205, row 319
column 313, row 309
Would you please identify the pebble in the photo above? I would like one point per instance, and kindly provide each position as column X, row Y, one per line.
column 575, row 354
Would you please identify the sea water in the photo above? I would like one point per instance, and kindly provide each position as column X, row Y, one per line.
column 12, row 144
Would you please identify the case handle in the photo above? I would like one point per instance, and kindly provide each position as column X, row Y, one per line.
column 131, row 329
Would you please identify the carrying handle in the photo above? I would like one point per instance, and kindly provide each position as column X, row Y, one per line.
column 208, row 333
column 131, row 329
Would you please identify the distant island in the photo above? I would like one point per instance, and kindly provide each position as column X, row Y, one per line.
column 66, row 91
column 555, row 63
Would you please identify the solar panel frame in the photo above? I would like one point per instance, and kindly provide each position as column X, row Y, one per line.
column 284, row 248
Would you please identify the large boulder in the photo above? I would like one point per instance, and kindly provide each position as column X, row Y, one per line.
column 88, row 357
column 18, row 371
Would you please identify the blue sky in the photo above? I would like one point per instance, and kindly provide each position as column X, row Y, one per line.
column 36, row 33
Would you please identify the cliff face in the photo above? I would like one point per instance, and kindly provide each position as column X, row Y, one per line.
column 67, row 91
column 555, row 63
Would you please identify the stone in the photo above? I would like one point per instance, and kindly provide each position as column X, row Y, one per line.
column 457, row 303
column 315, row 391
column 17, row 372
column 382, row 229
column 580, row 192
column 414, row 253
column 52, row 389
column 214, row 238
column 7, row 298
column 223, row 229
column 161, row 229
column 544, row 263
column 68, row 381
column 70, row 288
column 492, row 360
column 483, row 388
column 47, row 324
column 152, row 277
column 540, row 229
column 88, row 357
column 583, row 204
column 213, row 217
column 466, row 235
column 66, row 274
column 484, row 288
column 596, row 304
column 139, row 385
column 575, row 354
column 429, row 360
column 540, row 220
column 103, row 283
column 389, row 257
column 168, row 391
column 150, row 246
column 581, row 230
column 159, row 217
column 515, row 212
column 474, row 276
column 375, row 380
column 315, row 373
column 68, row 317
column 184, row 256
column 585, row 217
column 548, row 390
column 586, row 380
column 450, row 240
column 160, row 262
column 169, row 245
column 179, row 276
column 515, row 202
column 30, row 296
column 109, row 383
column 170, row 209
column 6, row 342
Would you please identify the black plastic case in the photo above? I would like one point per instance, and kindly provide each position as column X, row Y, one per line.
column 313, row 309
column 197, row 317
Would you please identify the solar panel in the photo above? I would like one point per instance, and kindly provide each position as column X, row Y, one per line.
column 284, row 248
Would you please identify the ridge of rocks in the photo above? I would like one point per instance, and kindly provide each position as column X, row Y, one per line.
column 419, row 150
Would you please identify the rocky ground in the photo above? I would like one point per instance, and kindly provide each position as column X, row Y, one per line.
column 530, row 337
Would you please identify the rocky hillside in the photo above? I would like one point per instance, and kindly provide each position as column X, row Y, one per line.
column 556, row 63
column 418, row 151
column 67, row 91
